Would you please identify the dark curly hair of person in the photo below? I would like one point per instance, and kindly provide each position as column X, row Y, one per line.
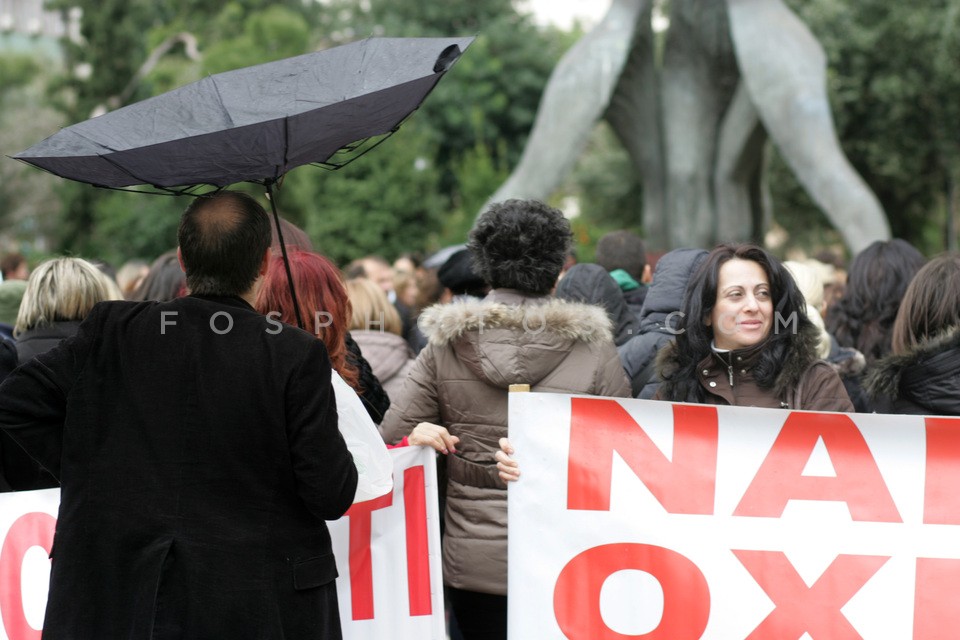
column 879, row 275
column 520, row 244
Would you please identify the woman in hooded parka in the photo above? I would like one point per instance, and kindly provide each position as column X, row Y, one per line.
column 922, row 376
column 455, row 398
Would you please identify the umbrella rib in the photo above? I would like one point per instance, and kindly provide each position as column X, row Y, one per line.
column 220, row 100
column 128, row 172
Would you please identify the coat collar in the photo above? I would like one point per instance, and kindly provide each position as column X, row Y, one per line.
column 444, row 323
column 800, row 354
column 936, row 356
column 230, row 301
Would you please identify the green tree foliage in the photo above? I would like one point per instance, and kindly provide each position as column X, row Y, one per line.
column 417, row 191
column 15, row 71
column 384, row 203
column 893, row 87
column 611, row 195
column 118, row 37
column 28, row 203
column 478, row 118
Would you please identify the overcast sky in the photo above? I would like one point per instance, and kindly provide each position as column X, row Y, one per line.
column 563, row 12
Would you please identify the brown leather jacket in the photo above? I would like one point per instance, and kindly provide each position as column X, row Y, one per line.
column 460, row 380
column 727, row 379
column 802, row 382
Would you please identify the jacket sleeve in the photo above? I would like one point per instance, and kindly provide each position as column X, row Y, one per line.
column 33, row 399
column 611, row 379
column 637, row 356
column 323, row 467
column 822, row 390
column 418, row 401
column 374, row 396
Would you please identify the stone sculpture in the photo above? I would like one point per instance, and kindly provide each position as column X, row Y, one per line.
column 734, row 72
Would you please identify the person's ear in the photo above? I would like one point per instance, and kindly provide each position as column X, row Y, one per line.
column 265, row 264
column 647, row 276
column 180, row 260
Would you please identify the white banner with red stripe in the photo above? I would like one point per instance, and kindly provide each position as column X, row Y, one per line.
column 641, row 519
column 387, row 549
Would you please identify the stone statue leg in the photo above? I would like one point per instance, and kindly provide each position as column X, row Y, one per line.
column 575, row 97
column 698, row 81
column 634, row 114
column 784, row 68
column 738, row 171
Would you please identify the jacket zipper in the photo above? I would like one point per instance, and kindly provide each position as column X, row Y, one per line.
column 730, row 368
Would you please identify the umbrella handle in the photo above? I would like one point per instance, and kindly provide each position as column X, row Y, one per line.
column 283, row 252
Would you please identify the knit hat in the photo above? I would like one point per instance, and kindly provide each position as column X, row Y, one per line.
column 11, row 293
column 458, row 273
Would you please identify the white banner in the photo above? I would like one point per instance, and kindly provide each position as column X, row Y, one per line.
column 641, row 519
column 387, row 549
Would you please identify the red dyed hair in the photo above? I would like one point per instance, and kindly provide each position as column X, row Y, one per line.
column 320, row 291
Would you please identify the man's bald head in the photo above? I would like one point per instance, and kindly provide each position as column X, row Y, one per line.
column 223, row 238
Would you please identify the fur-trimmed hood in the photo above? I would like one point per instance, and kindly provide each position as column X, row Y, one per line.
column 801, row 353
column 503, row 343
column 928, row 375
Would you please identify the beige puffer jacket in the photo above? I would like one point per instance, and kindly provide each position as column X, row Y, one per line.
column 460, row 380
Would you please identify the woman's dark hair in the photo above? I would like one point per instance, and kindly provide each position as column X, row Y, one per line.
column 520, row 244
column 789, row 323
column 223, row 238
column 164, row 281
column 931, row 304
column 878, row 277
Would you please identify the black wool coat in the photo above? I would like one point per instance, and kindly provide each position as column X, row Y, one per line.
column 197, row 466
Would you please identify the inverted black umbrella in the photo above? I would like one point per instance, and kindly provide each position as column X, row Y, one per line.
column 253, row 124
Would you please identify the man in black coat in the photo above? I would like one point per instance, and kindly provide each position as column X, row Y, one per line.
column 197, row 448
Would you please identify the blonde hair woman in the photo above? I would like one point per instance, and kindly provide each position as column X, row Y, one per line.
column 375, row 325
column 59, row 295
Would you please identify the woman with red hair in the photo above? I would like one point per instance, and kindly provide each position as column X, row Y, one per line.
column 325, row 310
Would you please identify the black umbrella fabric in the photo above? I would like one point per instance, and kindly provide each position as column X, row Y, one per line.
column 253, row 124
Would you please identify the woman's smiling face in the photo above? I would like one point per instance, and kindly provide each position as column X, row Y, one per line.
column 743, row 313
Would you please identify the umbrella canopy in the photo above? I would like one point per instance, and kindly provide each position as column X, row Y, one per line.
column 253, row 124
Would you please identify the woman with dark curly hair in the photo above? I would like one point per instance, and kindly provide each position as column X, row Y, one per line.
column 863, row 317
column 747, row 340
column 455, row 398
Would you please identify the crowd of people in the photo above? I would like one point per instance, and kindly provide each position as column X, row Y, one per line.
column 432, row 346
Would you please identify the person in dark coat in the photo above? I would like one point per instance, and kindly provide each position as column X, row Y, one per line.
column 922, row 375
column 198, row 452
column 623, row 255
column 11, row 293
column 659, row 319
column 59, row 295
column 591, row 284
column 863, row 317
column 746, row 339
column 16, row 467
